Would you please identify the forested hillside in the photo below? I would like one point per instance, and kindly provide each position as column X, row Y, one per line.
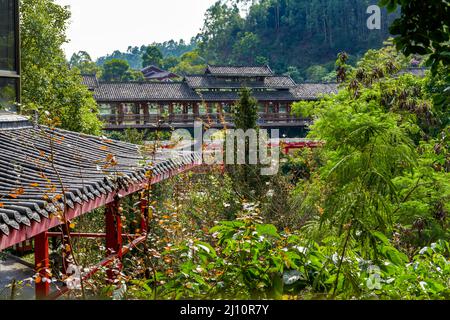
column 290, row 33
column 133, row 55
column 298, row 37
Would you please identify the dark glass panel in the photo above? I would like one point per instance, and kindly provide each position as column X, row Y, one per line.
column 8, row 94
column 7, row 35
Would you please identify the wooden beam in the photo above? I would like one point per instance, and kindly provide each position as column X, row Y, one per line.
column 36, row 228
column 42, row 265
column 144, row 215
column 145, row 107
column 120, row 113
column 113, row 224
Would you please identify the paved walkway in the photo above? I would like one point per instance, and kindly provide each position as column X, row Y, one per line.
column 11, row 270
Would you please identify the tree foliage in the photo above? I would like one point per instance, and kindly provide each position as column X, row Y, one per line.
column 424, row 28
column 295, row 33
column 119, row 70
column 190, row 63
column 381, row 134
column 152, row 56
column 48, row 84
column 83, row 62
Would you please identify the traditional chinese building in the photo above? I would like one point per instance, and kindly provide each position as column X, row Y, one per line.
column 158, row 74
column 207, row 97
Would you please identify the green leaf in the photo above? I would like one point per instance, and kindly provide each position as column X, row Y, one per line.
column 267, row 230
column 381, row 236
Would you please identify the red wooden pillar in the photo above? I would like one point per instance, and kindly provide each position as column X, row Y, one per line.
column 185, row 111
column 171, row 111
column 144, row 215
column 114, row 242
column 121, row 113
column 67, row 249
column 266, row 111
column 41, row 262
column 196, row 110
column 276, row 110
column 137, row 112
column 288, row 111
column 145, row 108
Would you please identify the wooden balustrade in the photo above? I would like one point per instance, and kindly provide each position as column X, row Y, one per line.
column 152, row 119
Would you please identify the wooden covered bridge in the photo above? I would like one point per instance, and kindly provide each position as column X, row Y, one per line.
column 207, row 97
column 48, row 177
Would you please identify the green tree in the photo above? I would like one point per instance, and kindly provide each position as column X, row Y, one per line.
column 169, row 63
column 294, row 73
column 424, row 28
column 119, row 70
column 152, row 56
column 48, row 84
column 381, row 172
column 190, row 63
column 248, row 183
column 246, row 49
column 298, row 33
column 316, row 73
column 83, row 62
column 245, row 113
column 220, row 31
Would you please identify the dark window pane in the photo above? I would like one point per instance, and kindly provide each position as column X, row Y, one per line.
column 8, row 94
column 7, row 35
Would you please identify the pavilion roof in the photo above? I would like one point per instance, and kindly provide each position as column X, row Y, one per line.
column 144, row 91
column 207, row 81
column 232, row 96
column 29, row 179
column 239, row 71
column 90, row 81
column 154, row 73
column 313, row 91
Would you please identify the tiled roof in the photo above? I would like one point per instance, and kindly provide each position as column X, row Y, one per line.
column 239, row 71
column 28, row 179
column 153, row 72
column 151, row 68
column 312, row 91
column 10, row 121
column 205, row 81
column 144, row 91
column 231, row 96
column 90, row 81
column 160, row 75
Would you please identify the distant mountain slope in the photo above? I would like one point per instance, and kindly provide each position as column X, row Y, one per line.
column 290, row 33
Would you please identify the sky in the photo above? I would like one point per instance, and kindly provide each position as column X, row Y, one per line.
column 102, row 26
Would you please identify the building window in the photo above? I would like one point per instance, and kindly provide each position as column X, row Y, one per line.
column 9, row 54
column 8, row 93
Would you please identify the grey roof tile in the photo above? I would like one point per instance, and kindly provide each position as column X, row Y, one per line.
column 312, row 91
column 231, row 96
column 240, row 71
column 77, row 158
column 144, row 91
column 90, row 81
column 205, row 81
